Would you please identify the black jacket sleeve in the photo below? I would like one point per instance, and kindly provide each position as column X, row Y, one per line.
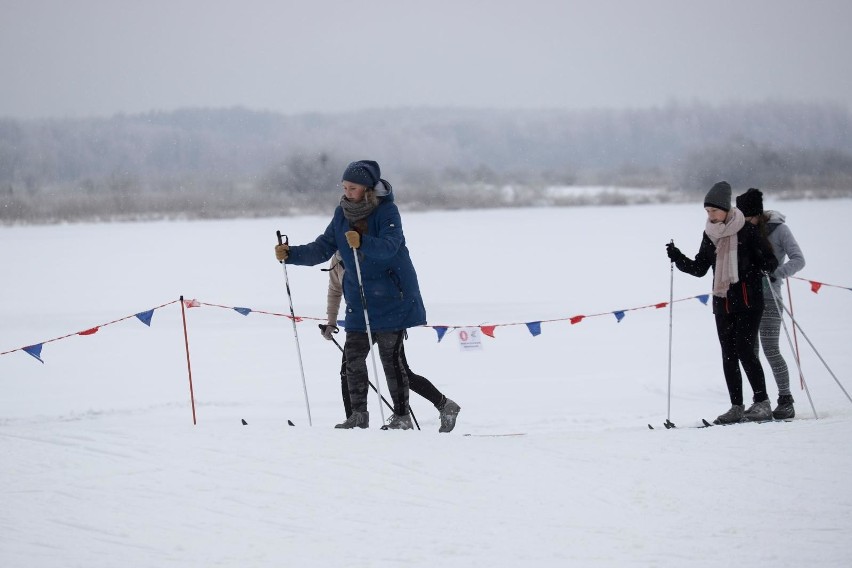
column 703, row 261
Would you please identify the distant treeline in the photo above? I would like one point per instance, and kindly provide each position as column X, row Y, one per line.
column 237, row 162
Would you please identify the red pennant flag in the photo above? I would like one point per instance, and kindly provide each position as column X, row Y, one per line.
column 661, row 305
column 815, row 286
column 577, row 319
column 192, row 303
column 488, row 330
column 89, row 331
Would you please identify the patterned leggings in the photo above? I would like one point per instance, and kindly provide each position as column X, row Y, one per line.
column 770, row 327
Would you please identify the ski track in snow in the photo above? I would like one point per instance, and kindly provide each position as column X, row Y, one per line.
column 102, row 466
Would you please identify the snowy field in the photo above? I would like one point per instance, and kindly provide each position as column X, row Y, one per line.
column 102, row 465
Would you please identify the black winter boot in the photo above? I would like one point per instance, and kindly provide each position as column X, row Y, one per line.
column 784, row 410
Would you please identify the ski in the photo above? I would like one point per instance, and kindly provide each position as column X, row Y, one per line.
column 705, row 424
column 767, row 421
column 495, row 435
column 672, row 426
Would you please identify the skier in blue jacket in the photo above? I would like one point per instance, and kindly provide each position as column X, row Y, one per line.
column 367, row 223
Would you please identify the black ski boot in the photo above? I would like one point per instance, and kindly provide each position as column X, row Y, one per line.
column 784, row 410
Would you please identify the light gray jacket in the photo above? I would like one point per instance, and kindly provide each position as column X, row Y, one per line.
column 785, row 246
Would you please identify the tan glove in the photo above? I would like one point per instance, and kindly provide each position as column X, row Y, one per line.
column 328, row 330
column 353, row 238
column 282, row 252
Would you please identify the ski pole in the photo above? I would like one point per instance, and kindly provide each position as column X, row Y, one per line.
column 795, row 338
column 322, row 327
column 369, row 333
column 778, row 305
column 669, row 423
column 283, row 240
column 805, row 335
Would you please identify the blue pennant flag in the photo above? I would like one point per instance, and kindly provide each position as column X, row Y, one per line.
column 534, row 327
column 35, row 351
column 244, row 311
column 619, row 315
column 703, row 298
column 145, row 317
column 441, row 330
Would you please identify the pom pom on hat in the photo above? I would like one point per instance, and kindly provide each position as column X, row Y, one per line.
column 719, row 196
column 750, row 202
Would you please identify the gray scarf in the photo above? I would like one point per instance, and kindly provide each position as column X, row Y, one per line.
column 354, row 212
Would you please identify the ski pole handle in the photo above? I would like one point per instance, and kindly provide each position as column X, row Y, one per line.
column 282, row 239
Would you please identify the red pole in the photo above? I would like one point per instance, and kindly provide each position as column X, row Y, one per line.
column 795, row 337
column 188, row 366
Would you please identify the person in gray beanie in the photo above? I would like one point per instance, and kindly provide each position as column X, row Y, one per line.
column 738, row 256
column 773, row 227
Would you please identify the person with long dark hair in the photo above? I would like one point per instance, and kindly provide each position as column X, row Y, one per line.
column 772, row 225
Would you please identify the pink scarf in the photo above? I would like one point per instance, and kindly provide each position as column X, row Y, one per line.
column 724, row 236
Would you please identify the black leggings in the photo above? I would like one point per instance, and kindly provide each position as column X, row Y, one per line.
column 738, row 338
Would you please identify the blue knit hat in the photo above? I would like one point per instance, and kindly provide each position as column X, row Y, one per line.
column 363, row 172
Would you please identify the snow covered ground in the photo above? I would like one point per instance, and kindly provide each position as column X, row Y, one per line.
column 102, row 466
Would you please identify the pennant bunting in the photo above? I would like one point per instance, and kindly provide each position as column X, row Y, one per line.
column 35, row 351
column 440, row 330
column 145, row 317
column 815, row 286
column 534, row 327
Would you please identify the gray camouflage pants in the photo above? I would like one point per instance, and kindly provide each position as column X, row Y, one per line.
column 392, row 356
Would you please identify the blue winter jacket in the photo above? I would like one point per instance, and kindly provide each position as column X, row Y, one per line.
column 390, row 282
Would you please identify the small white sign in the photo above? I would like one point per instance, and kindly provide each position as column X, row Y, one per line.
column 470, row 339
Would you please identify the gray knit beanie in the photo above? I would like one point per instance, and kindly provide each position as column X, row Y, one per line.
column 719, row 196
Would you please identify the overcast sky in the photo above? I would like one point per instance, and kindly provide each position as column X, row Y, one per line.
column 100, row 57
